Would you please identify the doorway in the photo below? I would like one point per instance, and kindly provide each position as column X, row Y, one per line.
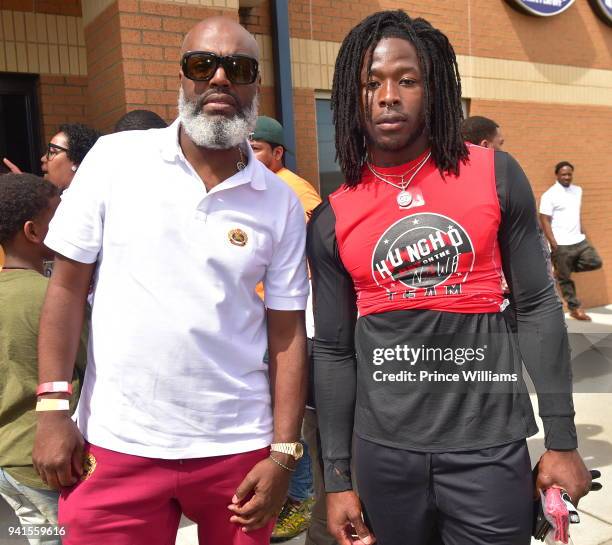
column 20, row 121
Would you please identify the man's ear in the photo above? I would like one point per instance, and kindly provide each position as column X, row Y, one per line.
column 278, row 153
column 484, row 144
column 30, row 231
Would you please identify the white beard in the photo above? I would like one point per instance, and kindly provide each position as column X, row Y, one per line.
column 216, row 131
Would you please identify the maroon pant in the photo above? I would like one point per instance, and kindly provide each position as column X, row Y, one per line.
column 131, row 500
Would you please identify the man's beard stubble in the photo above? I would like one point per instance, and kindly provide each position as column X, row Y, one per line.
column 216, row 131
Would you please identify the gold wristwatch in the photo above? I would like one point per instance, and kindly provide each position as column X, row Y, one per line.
column 293, row 449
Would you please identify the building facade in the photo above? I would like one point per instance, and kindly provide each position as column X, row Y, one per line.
column 546, row 80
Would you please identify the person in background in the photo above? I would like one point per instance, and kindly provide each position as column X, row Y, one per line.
column 27, row 203
column 139, row 120
column 560, row 216
column 482, row 131
column 299, row 513
column 485, row 132
column 65, row 152
column 268, row 145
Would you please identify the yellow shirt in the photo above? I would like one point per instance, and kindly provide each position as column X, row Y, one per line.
column 309, row 198
column 305, row 192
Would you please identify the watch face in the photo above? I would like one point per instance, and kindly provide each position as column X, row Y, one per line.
column 299, row 451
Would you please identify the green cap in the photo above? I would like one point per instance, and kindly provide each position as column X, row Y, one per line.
column 269, row 130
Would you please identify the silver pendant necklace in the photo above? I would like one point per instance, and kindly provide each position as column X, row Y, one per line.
column 404, row 197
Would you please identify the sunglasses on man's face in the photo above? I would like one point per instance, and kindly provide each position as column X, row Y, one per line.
column 202, row 65
column 53, row 150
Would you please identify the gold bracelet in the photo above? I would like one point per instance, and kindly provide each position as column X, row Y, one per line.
column 282, row 465
column 52, row 405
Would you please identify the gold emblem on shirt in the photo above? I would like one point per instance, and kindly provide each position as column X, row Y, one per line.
column 89, row 465
column 238, row 237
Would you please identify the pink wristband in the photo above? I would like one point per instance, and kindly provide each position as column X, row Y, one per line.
column 58, row 387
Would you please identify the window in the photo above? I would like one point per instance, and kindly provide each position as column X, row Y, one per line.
column 330, row 176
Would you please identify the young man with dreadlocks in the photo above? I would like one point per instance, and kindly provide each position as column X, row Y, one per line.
column 412, row 355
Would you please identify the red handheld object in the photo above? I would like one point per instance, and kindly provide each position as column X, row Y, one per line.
column 556, row 512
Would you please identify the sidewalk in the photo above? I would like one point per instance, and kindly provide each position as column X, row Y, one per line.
column 592, row 366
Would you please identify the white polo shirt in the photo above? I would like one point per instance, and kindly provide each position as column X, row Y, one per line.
column 175, row 363
column 563, row 204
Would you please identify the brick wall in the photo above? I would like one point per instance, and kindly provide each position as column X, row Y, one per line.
column 103, row 40
column 63, row 99
column 306, row 135
column 257, row 20
column 35, row 40
column 475, row 27
column 267, row 101
column 55, row 7
column 133, row 51
column 540, row 136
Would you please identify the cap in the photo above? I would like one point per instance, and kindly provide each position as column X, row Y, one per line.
column 269, row 130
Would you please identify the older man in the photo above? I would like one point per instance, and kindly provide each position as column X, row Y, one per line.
column 179, row 409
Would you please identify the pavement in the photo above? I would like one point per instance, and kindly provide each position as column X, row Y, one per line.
column 592, row 366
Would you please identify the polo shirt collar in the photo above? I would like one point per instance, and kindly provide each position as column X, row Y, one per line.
column 253, row 173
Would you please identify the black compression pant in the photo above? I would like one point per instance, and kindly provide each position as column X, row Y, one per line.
column 481, row 497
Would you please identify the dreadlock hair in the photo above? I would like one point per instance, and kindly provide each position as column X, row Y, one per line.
column 23, row 197
column 442, row 86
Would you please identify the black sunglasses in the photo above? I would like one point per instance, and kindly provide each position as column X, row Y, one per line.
column 53, row 150
column 202, row 65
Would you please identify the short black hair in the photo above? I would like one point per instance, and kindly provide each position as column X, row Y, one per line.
column 140, row 120
column 562, row 164
column 23, row 197
column 477, row 128
column 442, row 89
column 81, row 139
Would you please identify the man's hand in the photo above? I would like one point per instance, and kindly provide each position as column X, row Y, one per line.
column 546, row 223
column 58, row 449
column 265, row 489
column 11, row 166
column 344, row 519
column 564, row 469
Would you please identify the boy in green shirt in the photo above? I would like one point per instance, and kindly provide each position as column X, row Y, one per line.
column 27, row 204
